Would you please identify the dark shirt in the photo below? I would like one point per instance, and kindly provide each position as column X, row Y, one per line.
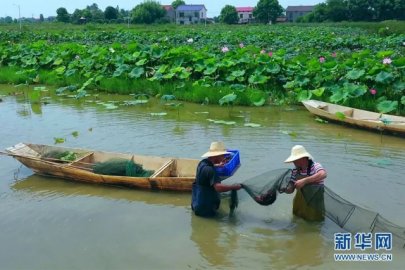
column 206, row 174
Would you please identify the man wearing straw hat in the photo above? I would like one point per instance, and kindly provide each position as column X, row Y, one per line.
column 308, row 178
column 205, row 199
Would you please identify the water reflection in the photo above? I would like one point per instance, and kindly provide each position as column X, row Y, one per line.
column 44, row 187
column 214, row 239
column 301, row 247
column 362, row 166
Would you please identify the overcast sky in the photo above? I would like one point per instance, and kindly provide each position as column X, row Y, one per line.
column 33, row 8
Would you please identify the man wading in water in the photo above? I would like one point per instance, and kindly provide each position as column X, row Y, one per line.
column 205, row 198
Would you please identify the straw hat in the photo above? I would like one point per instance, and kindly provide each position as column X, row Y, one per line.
column 216, row 149
column 297, row 152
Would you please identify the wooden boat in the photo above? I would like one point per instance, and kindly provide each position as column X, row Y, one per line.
column 175, row 174
column 357, row 117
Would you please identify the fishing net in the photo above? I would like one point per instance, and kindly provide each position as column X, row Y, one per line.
column 322, row 201
column 121, row 167
column 263, row 188
column 233, row 202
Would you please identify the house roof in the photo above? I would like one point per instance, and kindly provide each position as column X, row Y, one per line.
column 244, row 9
column 167, row 7
column 190, row 7
column 300, row 8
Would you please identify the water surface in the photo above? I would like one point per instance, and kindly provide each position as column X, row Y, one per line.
column 48, row 223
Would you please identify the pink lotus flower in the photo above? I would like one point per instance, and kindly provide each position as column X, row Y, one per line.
column 387, row 61
column 262, row 52
column 322, row 59
column 270, row 54
column 225, row 49
column 373, row 91
column 333, row 54
column 241, row 45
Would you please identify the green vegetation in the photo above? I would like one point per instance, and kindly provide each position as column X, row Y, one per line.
column 267, row 11
column 257, row 64
column 177, row 3
column 356, row 10
column 229, row 15
column 148, row 12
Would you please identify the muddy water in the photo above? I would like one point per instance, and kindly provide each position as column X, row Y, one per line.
column 50, row 223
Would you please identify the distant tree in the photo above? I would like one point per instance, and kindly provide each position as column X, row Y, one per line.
column 267, row 11
column 357, row 10
column 334, row 10
column 123, row 13
column 148, row 12
column 8, row 19
column 177, row 3
column 229, row 15
column 360, row 10
column 86, row 13
column 62, row 15
column 96, row 14
column 110, row 13
column 41, row 18
column 93, row 7
column 76, row 15
column 385, row 10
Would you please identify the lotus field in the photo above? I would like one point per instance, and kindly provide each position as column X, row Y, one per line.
column 248, row 65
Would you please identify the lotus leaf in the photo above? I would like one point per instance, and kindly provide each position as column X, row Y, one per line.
column 136, row 72
column 58, row 140
column 355, row 74
column 340, row 115
column 400, row 62
column 228, row 99
column 387, row 106
column 318, row 92
column 384, row 77
column 304, row 95
column 320, row 120
column 399, row 86
column 159, row 114
column 257, row 79
column 252, row 125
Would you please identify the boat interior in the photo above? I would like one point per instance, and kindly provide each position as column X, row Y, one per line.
column 85, row 159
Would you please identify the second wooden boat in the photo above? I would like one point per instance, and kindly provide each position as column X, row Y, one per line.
column 356, row 117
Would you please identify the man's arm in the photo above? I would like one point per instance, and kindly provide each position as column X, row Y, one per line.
column 223, row 188
column 316, row 178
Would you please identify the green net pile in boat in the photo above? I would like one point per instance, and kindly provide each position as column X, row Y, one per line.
column 61, row 155
column 121, row 167
column 321, row 199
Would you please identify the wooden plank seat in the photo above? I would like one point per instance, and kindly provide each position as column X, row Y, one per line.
column 166, row 170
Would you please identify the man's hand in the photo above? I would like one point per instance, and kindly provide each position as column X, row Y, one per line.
column 300, row 183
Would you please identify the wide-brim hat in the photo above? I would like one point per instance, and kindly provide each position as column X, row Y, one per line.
column 297, row 152
column 216, row 149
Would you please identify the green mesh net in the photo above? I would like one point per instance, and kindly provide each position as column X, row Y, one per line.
column 121, row 167
column 321, row 202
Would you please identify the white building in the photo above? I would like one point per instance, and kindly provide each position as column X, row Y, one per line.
column 191, row 14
